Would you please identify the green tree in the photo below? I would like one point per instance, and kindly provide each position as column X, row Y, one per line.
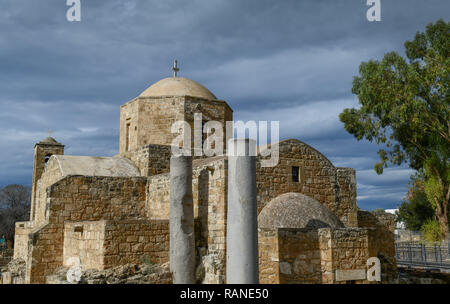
column 405, row 108
column 14, row 207
column 431, row 231
column 415, row 209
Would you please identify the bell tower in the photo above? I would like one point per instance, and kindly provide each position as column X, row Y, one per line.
column 42, row 152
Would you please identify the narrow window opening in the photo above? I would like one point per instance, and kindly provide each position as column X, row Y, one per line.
column 128, row 137
column 295, row 174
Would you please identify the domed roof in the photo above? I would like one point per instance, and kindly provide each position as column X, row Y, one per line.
column 295, row 210
column 177, row 86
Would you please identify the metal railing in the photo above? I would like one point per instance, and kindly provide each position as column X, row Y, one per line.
column 414, row 254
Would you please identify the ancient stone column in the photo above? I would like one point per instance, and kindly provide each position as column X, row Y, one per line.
column 242, row 228
column 182, row 240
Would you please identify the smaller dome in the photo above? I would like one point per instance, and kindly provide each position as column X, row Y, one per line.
column 177, row 86
column 295, row 210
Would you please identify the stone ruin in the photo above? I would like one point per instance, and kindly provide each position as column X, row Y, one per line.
column 109, row 212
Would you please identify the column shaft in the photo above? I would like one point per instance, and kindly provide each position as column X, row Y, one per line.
column 182, row 239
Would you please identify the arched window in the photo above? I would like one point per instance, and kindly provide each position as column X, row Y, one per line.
column 46, row 158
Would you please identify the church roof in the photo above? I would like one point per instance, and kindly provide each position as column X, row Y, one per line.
column 96, row 166
column 177, row 86
column 296, row 210
column 49, row 141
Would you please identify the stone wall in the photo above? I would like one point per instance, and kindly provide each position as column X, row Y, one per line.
column 216, row 110
column 84, row 240
column 381, row 241
column 318, row 178
column 51, row 174
column 299, row 256
column 346, row 206
column 21, row 239
column 104, row 244
column 41, row 151
column 150, row 159
column 129, row 120
column 309, row 256
column 77, row 198
column 387, row 219
column 148, row 120
column 209, row 184
column 382, row 246
column 136, row 241
column 269, row 272
column 349, row 250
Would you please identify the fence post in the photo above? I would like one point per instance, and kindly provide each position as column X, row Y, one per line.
column 421, row 254
column 440, row 255
column 435, row 253
column 448, row 248
column 424, row 249
column 410, row 254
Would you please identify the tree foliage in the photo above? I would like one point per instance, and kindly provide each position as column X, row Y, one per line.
column 14, row 207
column 415, row 209
column 405, row 108
column 431, row 231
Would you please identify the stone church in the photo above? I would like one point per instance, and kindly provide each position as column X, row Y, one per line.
column 110, row 211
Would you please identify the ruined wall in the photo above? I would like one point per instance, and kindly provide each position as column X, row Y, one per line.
column 318, row 178
column 346, row 206
column 387, row 219
column 381, row 240
column 349, row 249
column 269, row 272
column 382, row 246
column 299, row 256
column 309, row 256
column 104, row 244
column 84, row 240
column 78, row 198
column 21, row 239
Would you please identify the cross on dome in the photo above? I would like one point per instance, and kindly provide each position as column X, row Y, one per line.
column 175, row 68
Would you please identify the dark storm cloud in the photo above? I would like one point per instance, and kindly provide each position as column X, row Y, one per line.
column 291, row 61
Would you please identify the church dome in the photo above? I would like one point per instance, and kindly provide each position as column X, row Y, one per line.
column 177, row 86
column 295, row 210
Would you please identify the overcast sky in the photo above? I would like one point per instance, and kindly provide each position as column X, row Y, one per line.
column 289, row 60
